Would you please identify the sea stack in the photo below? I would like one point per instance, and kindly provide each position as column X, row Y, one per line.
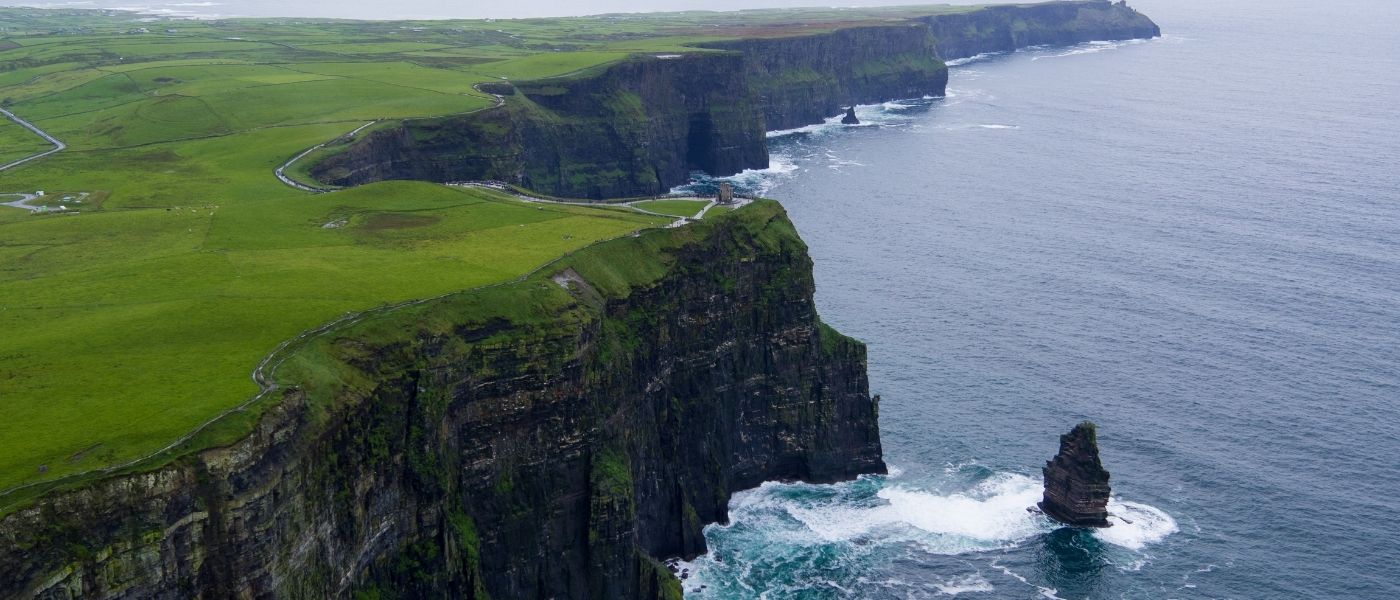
column 850, row 118
column 1076, row 484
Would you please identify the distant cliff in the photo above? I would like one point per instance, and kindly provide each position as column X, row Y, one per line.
column 640, row 126
column 547, row 439
column 1011, row 27
column 804, row 79
column 636, row 127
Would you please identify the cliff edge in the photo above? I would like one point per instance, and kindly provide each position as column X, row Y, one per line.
column 549, row 438
column 640, row 126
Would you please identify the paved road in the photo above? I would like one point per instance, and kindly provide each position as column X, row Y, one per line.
column 57, row 145
column 23, row 202
column 281, row 171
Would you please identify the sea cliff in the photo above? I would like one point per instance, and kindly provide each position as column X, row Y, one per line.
column 635, row 127
column 640, row 126
column 802, row 80
column 548, row 438
column 1011, row 27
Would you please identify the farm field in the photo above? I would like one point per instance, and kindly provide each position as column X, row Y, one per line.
column 138, row 314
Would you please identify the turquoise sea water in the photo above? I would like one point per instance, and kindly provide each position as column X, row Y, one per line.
column 1194, row 241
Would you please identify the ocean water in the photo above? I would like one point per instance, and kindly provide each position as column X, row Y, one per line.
column 1193, row 241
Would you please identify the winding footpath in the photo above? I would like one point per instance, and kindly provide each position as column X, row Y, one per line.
column 58, row 146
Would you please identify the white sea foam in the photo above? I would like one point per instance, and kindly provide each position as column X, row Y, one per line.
column 757, row 182
column 870, row 115
column 965, row 584
column 804, row 129
column 1148, row 525
column 779, row 526
column 1044, row 591
column 958, row 62
column 1089, row 48
column 993, row 514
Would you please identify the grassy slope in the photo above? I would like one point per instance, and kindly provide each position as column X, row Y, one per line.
column 129, row 323
column 17, row 142
column 679, row 208
column 612, row 269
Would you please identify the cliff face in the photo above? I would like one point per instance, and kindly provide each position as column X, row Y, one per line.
column 549, row 438
column 803, row 80
column 634, row 128
column 1011, row 27
column 639, row 127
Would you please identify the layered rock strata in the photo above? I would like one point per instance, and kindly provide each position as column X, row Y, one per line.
column 1076, row 484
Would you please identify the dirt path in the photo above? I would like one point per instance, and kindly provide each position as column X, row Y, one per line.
column 57, row 145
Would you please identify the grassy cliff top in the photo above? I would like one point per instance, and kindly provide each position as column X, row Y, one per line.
column 173, row 260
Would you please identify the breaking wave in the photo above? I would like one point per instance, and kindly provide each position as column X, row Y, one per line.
column 787, row 154
column 798, row 540
column 1089, row 48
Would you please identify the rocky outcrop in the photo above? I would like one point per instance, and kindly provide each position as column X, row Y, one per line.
column 1011, row 27
column 1076, row 484
column 850, row 118
column 550, row 438
column 639, row 127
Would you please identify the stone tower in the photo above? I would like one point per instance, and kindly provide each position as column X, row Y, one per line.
column 726, row 193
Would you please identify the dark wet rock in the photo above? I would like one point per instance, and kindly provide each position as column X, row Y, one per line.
column 850, row 118
column 1076, row 484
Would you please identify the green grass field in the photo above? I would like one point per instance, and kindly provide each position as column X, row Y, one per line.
column 679, row 208
column 17, row 142
column 139, row 314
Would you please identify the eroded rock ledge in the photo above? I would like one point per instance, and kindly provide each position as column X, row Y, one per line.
column 514, row 442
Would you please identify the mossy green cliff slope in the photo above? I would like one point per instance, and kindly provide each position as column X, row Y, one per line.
column 639, row 127
column 549, row 438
